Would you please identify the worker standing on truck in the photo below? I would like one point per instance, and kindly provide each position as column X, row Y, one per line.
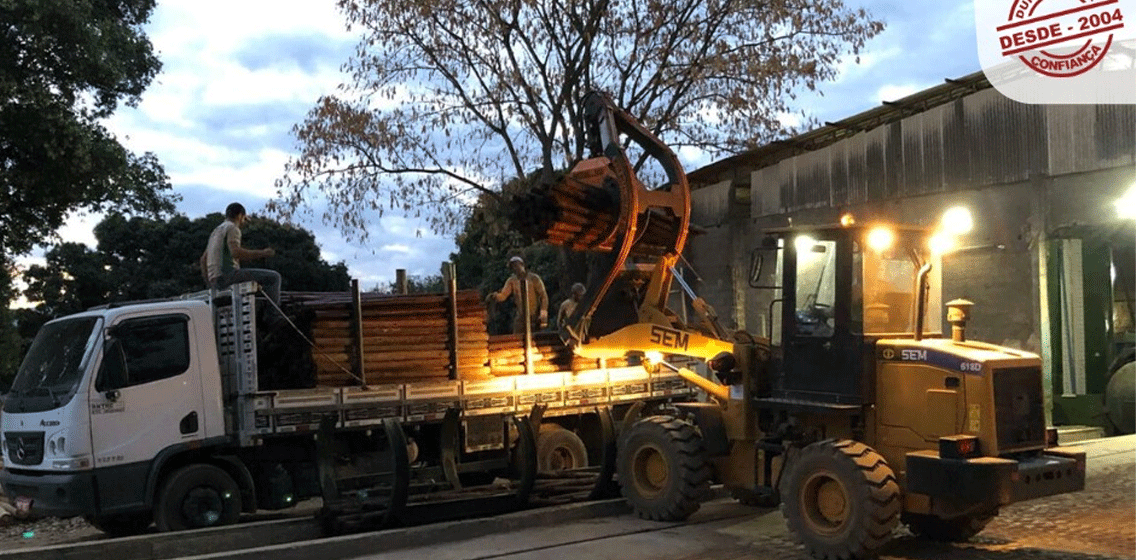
column 568, row 306
column 528, row 282
column 220, row 263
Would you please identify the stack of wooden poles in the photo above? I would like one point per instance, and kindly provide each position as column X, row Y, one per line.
column 548, row 353
column 405, row 338
column 581, row 217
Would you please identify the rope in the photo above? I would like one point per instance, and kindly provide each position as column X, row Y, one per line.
column 310, row 343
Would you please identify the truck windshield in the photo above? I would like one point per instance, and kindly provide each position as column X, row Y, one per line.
column 53, row 367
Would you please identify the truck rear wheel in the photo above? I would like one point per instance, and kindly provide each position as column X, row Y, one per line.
column 559, row 449
column 935, row 528
column 840, row 500
column 197, row 496
column 662, row 468
column 122, row 524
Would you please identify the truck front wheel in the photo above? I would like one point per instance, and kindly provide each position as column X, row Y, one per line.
column 840, row 500
column 662, row 468
column 197, row 496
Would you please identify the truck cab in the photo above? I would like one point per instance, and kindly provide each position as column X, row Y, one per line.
column 101, row 397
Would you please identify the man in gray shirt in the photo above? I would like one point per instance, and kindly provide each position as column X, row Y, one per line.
column 220, row 263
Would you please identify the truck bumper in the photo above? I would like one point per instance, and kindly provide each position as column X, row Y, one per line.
column 995, row 480
column 51, row 494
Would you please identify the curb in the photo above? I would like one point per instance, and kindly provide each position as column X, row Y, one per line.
column 354, row 546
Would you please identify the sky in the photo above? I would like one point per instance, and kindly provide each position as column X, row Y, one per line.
column 237, row 76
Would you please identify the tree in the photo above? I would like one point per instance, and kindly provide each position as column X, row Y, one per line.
column 64, row 65
column 450, row 98
column 140, row 258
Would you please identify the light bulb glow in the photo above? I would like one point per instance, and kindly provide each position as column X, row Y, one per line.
column 881, row 239
column 941, row 243
column 958, row 221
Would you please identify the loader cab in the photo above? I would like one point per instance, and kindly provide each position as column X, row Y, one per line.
column 838, row 290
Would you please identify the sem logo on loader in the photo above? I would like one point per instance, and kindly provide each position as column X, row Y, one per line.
column 931, row 357
column 669, row 338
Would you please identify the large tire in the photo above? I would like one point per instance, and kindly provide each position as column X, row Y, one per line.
column 959, row 529
column 197, row 496
column 662, row 468
column 559, row 449
column 122, row 524
column 840, row 500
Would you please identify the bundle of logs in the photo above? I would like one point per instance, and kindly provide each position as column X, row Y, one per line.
column 405, row 338
column 548, row 354
column 582, row 217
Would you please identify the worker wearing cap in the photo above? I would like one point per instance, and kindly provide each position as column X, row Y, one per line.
column 537, row 297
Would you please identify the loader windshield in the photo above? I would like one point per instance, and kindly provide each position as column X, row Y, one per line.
column 50, row 373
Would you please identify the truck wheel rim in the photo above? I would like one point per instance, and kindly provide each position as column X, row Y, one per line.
column 202, row 507
column 561, row 459
column 651, row 470
column 825, row 503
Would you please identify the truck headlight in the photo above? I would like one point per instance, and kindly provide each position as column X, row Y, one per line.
column 71, row 464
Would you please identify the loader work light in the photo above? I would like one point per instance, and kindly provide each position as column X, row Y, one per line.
column 957, row 221
column 880, row 239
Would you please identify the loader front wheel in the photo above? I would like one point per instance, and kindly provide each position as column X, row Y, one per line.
column 840, row 500
column 662, row 468
column 935, row 528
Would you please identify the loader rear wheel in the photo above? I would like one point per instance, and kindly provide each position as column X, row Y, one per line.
column 840, row 500
column 559, row 449
column 662, row 468
column 959, row 529
column 197, row 496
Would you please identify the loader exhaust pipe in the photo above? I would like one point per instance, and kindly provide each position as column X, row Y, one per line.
column 921, row 300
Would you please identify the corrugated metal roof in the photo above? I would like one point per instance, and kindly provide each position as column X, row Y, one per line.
column 886, row 113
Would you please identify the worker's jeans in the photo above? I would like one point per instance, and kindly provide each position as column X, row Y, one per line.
column 269, row 281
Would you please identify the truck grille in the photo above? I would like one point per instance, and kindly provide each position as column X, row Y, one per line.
column 1019, row 409
column 24, row 448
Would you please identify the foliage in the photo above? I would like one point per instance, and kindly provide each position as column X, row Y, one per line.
column 431, row 284
column 140, row 258
column 64, row 65
column 486, row 244
column 450, row 99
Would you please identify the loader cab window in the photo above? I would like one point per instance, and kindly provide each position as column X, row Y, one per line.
column 816, row 286
column 141, row 351
column 888, row 269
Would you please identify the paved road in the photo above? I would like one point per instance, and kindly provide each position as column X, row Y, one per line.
column 1096, row 524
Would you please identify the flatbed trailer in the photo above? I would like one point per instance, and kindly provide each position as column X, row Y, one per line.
column 196, row 446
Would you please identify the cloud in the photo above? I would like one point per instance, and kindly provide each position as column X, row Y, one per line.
column 310, row 53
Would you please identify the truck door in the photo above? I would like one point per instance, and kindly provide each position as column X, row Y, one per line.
column 146, row 397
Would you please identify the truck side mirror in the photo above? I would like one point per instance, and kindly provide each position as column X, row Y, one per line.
column 112, row 374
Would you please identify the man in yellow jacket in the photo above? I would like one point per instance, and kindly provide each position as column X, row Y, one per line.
column 537, row 297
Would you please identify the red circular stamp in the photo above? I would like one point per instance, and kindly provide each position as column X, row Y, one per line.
column 1060, row 38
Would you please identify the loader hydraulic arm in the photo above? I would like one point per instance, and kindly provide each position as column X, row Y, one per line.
column 601, row 206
